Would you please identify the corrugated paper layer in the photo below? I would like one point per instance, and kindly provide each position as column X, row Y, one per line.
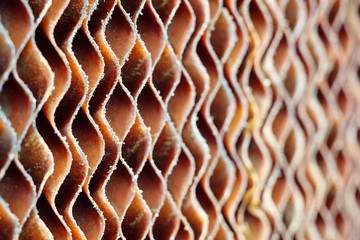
column 179, row 119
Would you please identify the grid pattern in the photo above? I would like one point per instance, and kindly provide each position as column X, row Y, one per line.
column 179, row 119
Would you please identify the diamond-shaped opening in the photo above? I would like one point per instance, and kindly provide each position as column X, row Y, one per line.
column 223, row 34
column 17, row 191
column 311, row 178
column 180, row 104
column 164, row 8
column 135, row 69
column 88, row 138
column 150, row 31
column 288, row 214
column 343, row 225
column 258, row 19
column 61, row 158
column 167, row 223
column 291, row 81
column 57, row 66
column 7, row 139
column 35, row 228
column 150, row 110
column 151, row 186
column 290, row 146
column 16, row 104
column 136, row 145
column 87, row 217
column 220, row 178
column 6, row 53
column 68, row 21
column 34, row 71
column 279, row 190
column 320, row 224
column 279, row 122
column 120, row 189
column 137, row 219
column 343, row 101
column 344, row 38
column 291, row 13
column 166, row 73
column 166, row 149
column 195, row 216
column 343, row 165
column 180, row 177
column 281, row 53
column 331, row 137
column 119, row 34
column 221, row 107
column 333, row 74
column 132, row 7
column 120, row 112
column 256, row 156
column 51, row 220
column 36, row 157
column 16, row 19
column 330, row 198
column 180, row 28
column 321, row 162
column 255, row 84
column 88, row 58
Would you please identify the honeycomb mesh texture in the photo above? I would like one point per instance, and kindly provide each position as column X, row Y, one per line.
column 179, row 119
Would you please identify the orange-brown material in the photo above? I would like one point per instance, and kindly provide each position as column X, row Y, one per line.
column 179, row 119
